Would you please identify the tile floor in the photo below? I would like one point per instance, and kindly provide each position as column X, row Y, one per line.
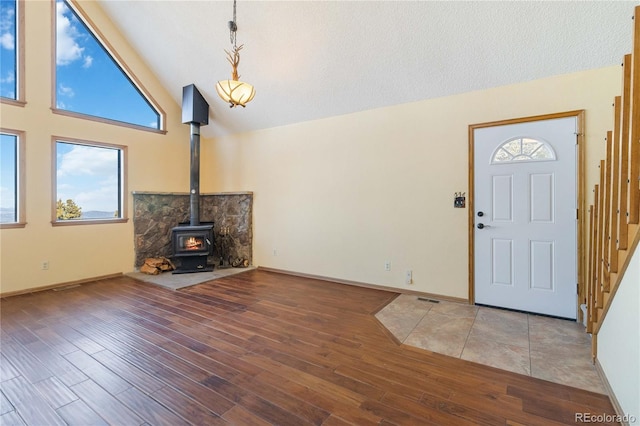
column 178, row 281
column 546, row 348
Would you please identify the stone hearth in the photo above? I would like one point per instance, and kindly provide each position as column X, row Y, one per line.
column 155, row 214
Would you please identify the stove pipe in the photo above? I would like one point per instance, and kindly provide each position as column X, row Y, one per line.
column 195, row 111
column 194, row 191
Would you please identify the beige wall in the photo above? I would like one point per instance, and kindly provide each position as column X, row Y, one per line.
column 334, row 197
column 340, row 196
column 80, row 252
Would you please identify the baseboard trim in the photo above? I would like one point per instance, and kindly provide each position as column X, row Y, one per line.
column 610, row 393
column 54, row 286
column 365, row 285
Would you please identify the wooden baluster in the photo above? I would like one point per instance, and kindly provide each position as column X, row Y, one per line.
column 625, row 127
column 591, row 303
column 606, row 201
column 615, row 183
column 600, row 240
column 634, row 154
column 595, row 278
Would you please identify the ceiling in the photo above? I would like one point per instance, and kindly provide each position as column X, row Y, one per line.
column 316, row 59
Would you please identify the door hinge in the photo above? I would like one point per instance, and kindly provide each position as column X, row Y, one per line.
column 577, row 214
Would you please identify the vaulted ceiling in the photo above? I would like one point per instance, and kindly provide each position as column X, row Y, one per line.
column 315, row 59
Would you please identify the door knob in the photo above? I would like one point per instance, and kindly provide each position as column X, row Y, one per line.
column 480, row 225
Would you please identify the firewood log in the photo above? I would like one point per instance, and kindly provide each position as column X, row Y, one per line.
column 154, row 262
column 150, row 270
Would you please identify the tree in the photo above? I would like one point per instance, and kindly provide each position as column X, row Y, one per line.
column 68, row 210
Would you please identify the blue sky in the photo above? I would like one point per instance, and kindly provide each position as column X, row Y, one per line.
column 7, row 175
column 88, row 81
column 8, row 48
column 7, row 89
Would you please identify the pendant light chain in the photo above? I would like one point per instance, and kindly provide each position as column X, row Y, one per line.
column 233, row 27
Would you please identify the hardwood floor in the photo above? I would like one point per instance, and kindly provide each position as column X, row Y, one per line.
column 256, row 348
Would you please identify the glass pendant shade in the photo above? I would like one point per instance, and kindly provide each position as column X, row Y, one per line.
column 235, row 92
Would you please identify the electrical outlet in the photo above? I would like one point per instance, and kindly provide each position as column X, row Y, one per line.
column 408, row 277
column 275, row 252
column 45, row 265
column 387, row 265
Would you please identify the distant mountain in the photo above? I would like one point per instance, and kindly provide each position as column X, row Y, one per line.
column 7, row 215
column 97, row 214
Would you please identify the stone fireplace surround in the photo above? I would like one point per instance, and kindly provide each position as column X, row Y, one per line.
column 156, row 213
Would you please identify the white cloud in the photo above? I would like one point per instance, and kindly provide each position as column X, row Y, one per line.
column 104, row 197
column 66, row 91
column 10, row 78
column 67, row 48
column 91, row 193
column 7, row 41
column 87, row 161
column 64, row 186
column 7, row 29
column 7, row 20
column 88, row 60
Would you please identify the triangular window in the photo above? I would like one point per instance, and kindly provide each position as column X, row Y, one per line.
column 90, row 81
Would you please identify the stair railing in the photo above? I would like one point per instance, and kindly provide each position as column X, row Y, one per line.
column 613, row 217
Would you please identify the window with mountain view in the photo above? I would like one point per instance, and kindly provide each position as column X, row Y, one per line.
column 8, row 49
column 90, row 81
column 11, row 179
column 89, row 181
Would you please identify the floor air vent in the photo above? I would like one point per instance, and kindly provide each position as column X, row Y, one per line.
column 424, row 299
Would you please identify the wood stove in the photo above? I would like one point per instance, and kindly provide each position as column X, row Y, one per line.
column 192, row 245
column 192, row 242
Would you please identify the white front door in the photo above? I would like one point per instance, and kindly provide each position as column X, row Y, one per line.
column 525, row 199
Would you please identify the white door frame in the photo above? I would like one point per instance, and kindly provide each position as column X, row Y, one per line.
column 580, row 179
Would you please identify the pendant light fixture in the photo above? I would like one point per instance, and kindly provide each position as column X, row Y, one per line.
column 233, row 91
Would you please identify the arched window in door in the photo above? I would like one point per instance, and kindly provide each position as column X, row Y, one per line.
column 523, row 149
